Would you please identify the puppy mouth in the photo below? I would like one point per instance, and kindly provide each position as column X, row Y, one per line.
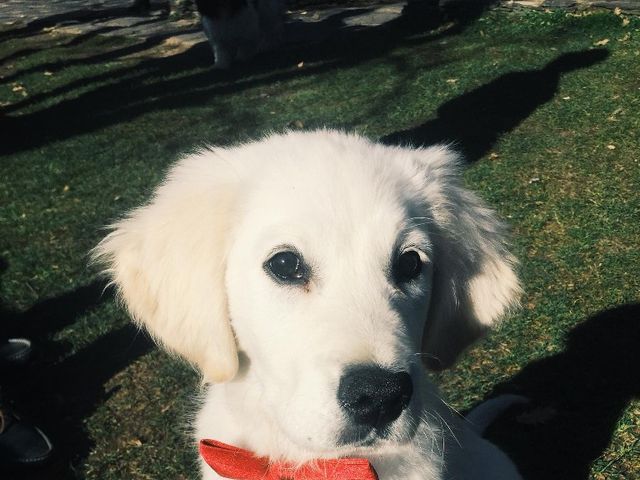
column 362, row 436
column 400, row 431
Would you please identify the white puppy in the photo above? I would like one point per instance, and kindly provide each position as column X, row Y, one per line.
column 308, row 275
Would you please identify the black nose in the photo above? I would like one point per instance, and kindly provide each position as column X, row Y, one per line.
column 372, row 395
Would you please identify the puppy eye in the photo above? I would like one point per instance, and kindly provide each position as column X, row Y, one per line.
column 288, row 267
column 408, row 266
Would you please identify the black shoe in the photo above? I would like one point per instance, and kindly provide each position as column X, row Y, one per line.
column 21, row 444
column 14, row 352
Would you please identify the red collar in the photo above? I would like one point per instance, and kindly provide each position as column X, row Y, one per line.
column 238, row 464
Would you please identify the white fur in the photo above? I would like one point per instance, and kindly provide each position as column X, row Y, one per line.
column 257, row 27
column 190, row 267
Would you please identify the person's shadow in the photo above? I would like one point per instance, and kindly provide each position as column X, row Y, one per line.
column 152, row 84
column 474, row 121
column 577, row 398
column 58, row 389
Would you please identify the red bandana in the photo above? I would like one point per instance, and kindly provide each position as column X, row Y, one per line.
column 238, row 464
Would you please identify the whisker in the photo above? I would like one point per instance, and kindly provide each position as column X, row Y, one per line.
column 451, row 408
column 428, row 355
column 453, row 435
column 435, row 434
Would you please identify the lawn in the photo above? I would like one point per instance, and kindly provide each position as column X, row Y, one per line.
column 546, row 107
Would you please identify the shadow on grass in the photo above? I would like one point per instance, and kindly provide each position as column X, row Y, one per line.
column 71, row 17
column 101, row 58
column 180, row 81
column 59, row 395
column 17, row 54
column 108, row 56
column 578, row 397
column 474, row 121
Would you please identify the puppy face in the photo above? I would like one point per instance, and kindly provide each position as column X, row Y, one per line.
column 332, row 264
column 329, row 269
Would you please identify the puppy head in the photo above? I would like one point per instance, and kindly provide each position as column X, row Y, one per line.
column 334, row 261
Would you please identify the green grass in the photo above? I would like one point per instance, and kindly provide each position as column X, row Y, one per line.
column 86, row 133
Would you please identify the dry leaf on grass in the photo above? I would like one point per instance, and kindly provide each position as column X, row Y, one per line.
column 18, row 88
column 134, row 442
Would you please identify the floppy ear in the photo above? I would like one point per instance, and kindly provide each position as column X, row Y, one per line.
column 167, row 260
column 474, row 282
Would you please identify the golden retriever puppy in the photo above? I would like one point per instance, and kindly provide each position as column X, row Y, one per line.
column 308, row 275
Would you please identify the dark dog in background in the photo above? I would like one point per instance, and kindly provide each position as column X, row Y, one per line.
column 239, row 29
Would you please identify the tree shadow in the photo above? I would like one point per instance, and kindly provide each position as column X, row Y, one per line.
column 577, row 398
column 76, row 40
column 105, row 57
column 475, row 121
column 71, row 17
column 180, row 80
column 110, row 55
column 59, row 395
